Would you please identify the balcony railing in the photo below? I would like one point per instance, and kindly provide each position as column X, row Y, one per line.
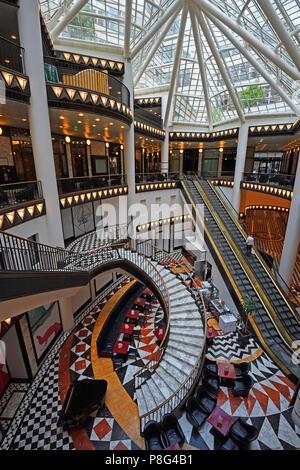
column 11, row 55
column 82, row 183
column 274, row 179
column 18, row 193
column 147, row 117
column 155, row 177
column 82, row 76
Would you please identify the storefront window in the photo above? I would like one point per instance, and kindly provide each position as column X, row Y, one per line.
column 79, row 158
column 60, row 157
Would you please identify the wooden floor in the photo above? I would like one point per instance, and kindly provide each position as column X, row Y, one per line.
column 119, row 403
column 268, row 228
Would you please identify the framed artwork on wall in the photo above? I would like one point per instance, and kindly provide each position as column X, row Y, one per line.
column 45, row 324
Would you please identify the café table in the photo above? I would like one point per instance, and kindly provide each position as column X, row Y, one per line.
column 121, row 347
column 220, row 420
column 133, row 314
column 127, row 328
column 226, row 372
column 140, row 301
column 147, row 291
column 159, row 333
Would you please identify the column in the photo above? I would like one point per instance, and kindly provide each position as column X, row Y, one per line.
column 165, row 153
column 220, row 162
column 292, row 234
column 180, row 162
column 240, row 165
column 31, row 40
column 129, row 143
column 69, row 159
column 66, row 313
column 89, row 160
column 200, row 155
column 93, row 289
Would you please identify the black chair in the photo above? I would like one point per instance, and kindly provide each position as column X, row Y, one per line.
column 241, row 369
column 242, row 386
column 195, row 415
column 240, row 436
column 211, row 367
column 206, row 401
column 172, row 430
column 243, row 433
column 211, row 383
column 154, row 439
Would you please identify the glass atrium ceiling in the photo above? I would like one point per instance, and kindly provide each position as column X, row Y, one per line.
column 216, row 59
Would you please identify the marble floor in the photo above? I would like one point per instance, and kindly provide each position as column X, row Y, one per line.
column 35, row 423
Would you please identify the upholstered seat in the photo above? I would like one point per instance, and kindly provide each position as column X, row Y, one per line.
column 154, row 439
column 172, row 430
column 195, row 415
column 242, row 386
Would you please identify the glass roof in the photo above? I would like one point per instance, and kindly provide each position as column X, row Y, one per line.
column 236, row 57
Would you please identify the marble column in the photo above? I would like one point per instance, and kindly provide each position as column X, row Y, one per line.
column 31, row 40
column 240, row 165
column 292, row 234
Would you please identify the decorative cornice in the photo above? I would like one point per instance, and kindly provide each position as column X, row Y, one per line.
column 203, row 136
column 17, row 84
column 171, row 220
column 117, row 68
column 149, row 130
column 75, row 199
column 81, row 97
column 144, row 187
column 267, row 189
column 16, row 215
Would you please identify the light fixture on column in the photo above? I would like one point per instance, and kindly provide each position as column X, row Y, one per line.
column 88, row 142
column 1, row 131
column 181, row 151
column 67, row 139
column 107, row 145
column 200, row 150
column 221, row 150
column 122, row 147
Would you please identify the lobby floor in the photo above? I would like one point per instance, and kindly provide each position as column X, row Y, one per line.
column 72, row 358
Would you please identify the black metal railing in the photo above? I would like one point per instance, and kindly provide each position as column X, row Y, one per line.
column 17, row 193
column 66, row 73
column 147, row 117
column 11, row 55
column 83, row 183
column 155, row 177
column 274, row 179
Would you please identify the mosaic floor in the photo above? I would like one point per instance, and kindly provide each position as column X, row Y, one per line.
column 267, row 406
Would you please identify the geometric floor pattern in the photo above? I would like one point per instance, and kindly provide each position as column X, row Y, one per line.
column 266, row 407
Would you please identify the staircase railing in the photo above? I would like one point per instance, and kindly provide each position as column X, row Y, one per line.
column 177, row 398
column 20, row 254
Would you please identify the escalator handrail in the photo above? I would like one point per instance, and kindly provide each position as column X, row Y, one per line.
column 259, row 258
column 223, row 231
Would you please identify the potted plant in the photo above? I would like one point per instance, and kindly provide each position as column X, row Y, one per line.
column 248, row 307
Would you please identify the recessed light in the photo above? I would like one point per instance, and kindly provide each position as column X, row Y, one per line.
column 61, row 117
column 13, row 36
column 98, row 119
column 80, row 114
column 79, row 122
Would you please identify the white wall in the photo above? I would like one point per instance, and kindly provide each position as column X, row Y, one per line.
column 14, row 357
column 82, row 296
column 32, row 227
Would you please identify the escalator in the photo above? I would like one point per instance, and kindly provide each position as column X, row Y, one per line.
column 275, row 322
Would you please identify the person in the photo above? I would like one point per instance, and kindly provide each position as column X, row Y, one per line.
column 249, row 243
